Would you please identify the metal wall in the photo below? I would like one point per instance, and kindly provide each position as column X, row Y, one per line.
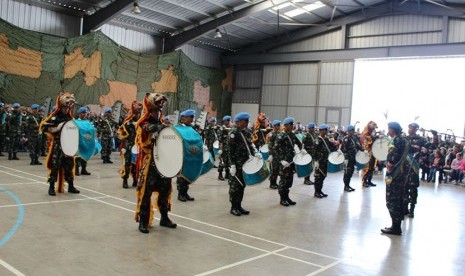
column 202, row 56
column 136, row 41
column 456, row 32
column 247, row 90
column 39, row 19
column 328, row 41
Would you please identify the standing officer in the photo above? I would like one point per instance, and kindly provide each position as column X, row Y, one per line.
column 310, row 142
column 14, row 122
column 3, row 115
column 83, row 114
column 274, row 170
column 224, row 148
column 106, row 130
column 187, row 117
column 240, row 150
column 127, row 134
column 285, row 148
column 413, row 179
column 395, row 178
column 322, row 150
column 33, row 135
column 350, row 146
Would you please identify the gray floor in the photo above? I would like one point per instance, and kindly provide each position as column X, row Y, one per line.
column 94, row 233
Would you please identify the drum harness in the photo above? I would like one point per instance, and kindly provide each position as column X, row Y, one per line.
column 329, row 151
column 250, row 154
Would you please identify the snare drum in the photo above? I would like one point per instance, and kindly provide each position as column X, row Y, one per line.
column 180, row 151
column 265, row 152
column 78, row 139
column 134, row 153
column 303, row 164
column 208, row 162
column 255, row 171
column 362, row 158
column 335, row 160
column 380, row 148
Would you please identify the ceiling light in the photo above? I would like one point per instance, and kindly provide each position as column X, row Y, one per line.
column 218, row 34
column 306, row 8
column 135, row 8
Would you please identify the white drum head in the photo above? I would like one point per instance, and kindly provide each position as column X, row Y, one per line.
column 380, row 149
column 170, row 153
column 252, row 165
column 216, row 144
column 135, row 149
column 264, row 148
column 206, row 156
column 69, row 138
column 362, row 157
column 302, row 159
column 336, row 157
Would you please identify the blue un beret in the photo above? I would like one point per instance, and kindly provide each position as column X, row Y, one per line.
column 395, row 125
column 2, row 105
column 241, row 116
column 276, row 123
column 288, row 121
column 414, row 126
column 82, row 110
column 227, row 118
column 212, row 119
column 188, row 113
column 311, row 125
column 16, row 105
column 323, row 126
column 107, row 110
column 350, row 128
column 35, row 106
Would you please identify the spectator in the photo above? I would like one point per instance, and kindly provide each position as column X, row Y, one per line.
column 436, row 165
column 456, row 173
column 424, row 163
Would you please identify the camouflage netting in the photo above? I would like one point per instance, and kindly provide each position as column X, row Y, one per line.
column 35, row 66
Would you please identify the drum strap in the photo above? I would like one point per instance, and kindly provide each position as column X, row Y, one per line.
column 322, row 139
column 245, row 141
column 35, row 120
column 292, row 144
column 111, row 129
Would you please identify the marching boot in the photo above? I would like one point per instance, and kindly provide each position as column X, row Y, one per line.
column 125, row 183
column 181, row 196
column 84, row 170
column 283, row 199
column 235, row 210
column 72, row 189
column 51, row 189
column 243, row 211
column 76, row 169
column 134, row 182
column 371, row 183
column 188, row 197
column 143, row 222
column 394, row 229
column 36, row 162
column 14, row 156
column 411, row 212
column 318, row 192
column 289, row 200
column 273, row 185
column 165, row 220
column 347, row 188
column 104, row 160
column 109, row 161
column 220, row 176
column 308, row 181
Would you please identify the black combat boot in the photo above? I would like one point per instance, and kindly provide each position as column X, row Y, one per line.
column 290, row 200
column 143, row 222
column 188, row 197
column 72, row 189
column 14, row 156
column 307, row 181
column 394, row 229
column 181, row 196
column 51, row 189
column 165, row 220
column 283, row 199
column 76, row 169
column 220, row 176
column 109, row 160
column 273, row 185
column 125, row 183
column 235, row 210
column 36, row 162
column 84, row 170
column 243, row 211
column 104, row 160
column 411, row 212
column 134, row 182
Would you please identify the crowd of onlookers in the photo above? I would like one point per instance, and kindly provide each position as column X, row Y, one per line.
column 445, row 162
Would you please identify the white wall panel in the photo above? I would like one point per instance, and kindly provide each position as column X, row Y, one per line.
column 302, row 95
column 202, row 56
column 335, row 95
column 306, row 73
column 332, row 40
column 39, row 19
column 252, row 109
column 396, row 40
column 274, row 112
column 337, row 72
column 345, row 118
column 136, row 41
column 276, row 74
column 302, row 114
column 321, row 116
column 274, row 95
column 456, row 30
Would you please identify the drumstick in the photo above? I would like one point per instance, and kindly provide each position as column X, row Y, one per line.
column 239, row 180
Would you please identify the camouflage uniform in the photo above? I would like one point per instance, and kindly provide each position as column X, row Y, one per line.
column 275, row 162
column 239, row 153
column 210, row 137
column 34, row 137
column 413, row 178
column 309, row 142
column 322, row 150
column 3, row 116
column 127, row 143
column 350, row 146
column 284, row 149
column 224, row 147
column 14, row 122
column 106, row 130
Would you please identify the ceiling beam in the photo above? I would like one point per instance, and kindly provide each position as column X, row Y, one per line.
column 142, row 6
column 244, row 26
column 184, row 37
column 386, row 8
column 132, row 27
column 215, row 3
column 173, row 2
column 146, row 19
column 102, row 16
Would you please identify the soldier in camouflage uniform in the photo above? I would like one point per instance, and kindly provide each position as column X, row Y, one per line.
column 106, row 130
column 274, row 171
column 3, row 115
column 240, row 150
column 350, row 146
column 211, row 136
column 413, row 179
column 33, row 135
column 14, row 123
column 187, row 117
column 224, row 148
column 284, row 149
column 127, row 133
column 83, row 114
column 322, row 150
column 396, row 169
column 309, row 142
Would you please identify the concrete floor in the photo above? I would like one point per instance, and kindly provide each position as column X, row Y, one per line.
column 94, row 233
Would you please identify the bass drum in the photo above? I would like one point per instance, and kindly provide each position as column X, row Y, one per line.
column 380, row 148
column 255, row 171
column 69, row 139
